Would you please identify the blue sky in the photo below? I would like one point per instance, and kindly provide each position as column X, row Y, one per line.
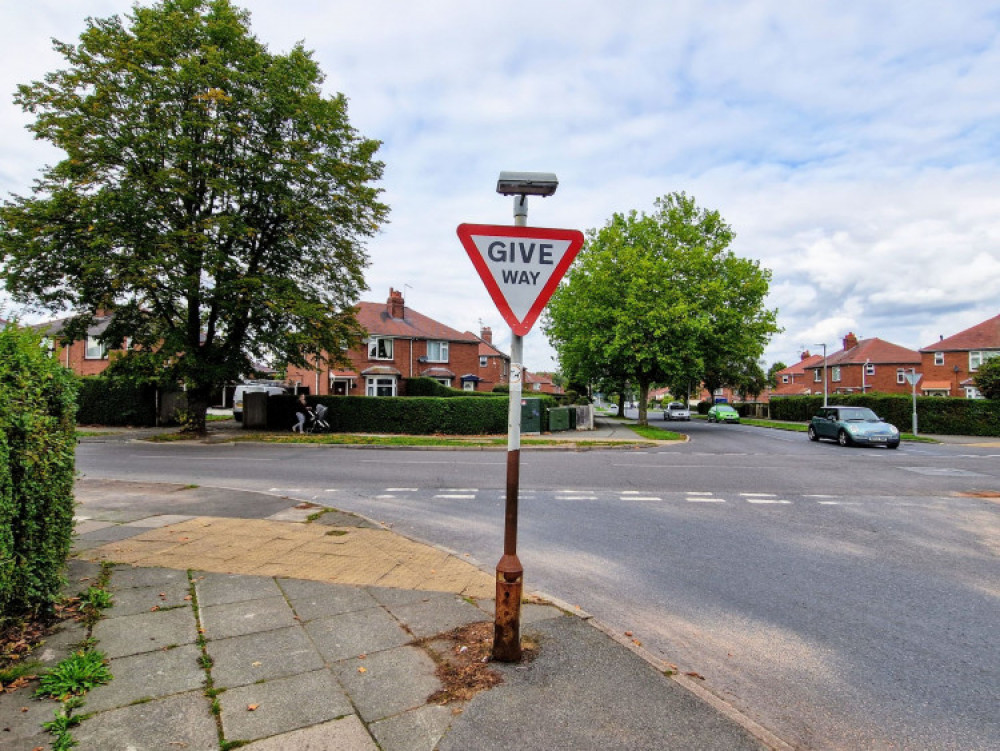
column 853, row 145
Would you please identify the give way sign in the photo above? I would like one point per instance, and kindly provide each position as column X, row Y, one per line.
column 520, row 266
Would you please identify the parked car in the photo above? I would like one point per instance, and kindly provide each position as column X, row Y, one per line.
column 676, row 411
column 722, row 413
column 249, row 388
column 853, row 425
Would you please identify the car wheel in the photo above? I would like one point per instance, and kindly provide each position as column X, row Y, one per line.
column 843, row 439
column 812, row 434
column 893, row 445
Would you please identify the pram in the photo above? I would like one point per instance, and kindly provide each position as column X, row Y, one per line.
column 309, row 420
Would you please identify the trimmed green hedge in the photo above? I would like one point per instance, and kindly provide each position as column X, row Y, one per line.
column 934, row 414
column 37, row 443
column 419, row 415
column 104, row 401
column 424, row 386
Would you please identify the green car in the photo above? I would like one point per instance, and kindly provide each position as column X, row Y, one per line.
column 722, row 413
column 853, row 426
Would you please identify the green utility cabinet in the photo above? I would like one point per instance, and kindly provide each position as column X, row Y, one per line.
column 562, row 418
column 531, row 415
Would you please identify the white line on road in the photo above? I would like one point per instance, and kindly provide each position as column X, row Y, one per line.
column 455, row 497
column 401, row 490
column 767, row 500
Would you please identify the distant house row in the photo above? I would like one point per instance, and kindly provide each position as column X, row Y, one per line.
column 947, row 366
column 402, row 344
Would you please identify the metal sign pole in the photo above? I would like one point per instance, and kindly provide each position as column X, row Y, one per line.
column 510, row 573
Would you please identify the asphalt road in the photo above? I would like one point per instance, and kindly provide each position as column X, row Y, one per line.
column 843, row 598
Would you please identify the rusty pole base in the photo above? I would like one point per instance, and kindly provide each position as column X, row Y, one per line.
column 507, row 623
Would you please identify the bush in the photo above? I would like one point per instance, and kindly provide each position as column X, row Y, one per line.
column 107, row 401
column 946, row 416
column 37, row 441
column 414, row 415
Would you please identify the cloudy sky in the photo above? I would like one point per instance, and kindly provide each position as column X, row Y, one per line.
column 853, row 145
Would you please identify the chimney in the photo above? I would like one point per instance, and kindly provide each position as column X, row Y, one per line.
column 850, row 341
column 486, row 334
column 394, row 305
column 805, row 355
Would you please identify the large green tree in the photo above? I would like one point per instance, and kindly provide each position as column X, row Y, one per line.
column 211, row 197
column 660, row 298
column 987, row 378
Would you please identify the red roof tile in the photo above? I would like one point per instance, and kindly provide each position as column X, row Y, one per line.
column 876, row 351
column 985, row 335
column 375, row 318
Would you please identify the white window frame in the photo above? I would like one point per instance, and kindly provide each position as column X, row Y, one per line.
column 978, row 356
column 374, row 384
column 817, row 375
column 835, row 374
column 469, row 386
column 483, row 361
column 939, row 358
column 437, row 351
column 444, row 381
column 900, row 375
column 380, row 348
column 95, row 350
column 869, row 368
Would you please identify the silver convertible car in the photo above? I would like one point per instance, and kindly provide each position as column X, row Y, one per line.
column 853, row 425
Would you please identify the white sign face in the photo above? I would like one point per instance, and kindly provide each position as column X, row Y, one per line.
column 913, row 378
column 520, row 266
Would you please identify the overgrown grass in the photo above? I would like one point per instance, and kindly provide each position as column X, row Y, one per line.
column 75, row 675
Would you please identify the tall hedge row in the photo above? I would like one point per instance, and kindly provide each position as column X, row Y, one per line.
column 422, row 415
column 37, row 443
column 105, row 401
column 934, row 414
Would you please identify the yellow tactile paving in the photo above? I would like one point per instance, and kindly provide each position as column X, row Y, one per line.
column 345, row 555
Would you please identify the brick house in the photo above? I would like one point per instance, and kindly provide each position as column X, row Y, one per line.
column 494, row 365
column 865, row 365
column 795, row 380
column 949, row 364
column 540, row 383
column 85, row 357
column 401, row 344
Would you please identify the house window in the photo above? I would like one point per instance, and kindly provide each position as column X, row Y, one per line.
column 95, row 349
column 939, row 358
column 437, row 351
column 49, row 345
column 869, row 368
column 381, row 386
column 444, row 381
column 836, row 373
column 537, row 386
column 817, row 376
column 469, row 386
column 900, row 375
column 978, row 357
column 380, row 348
column 784, row 379
column 483, row 361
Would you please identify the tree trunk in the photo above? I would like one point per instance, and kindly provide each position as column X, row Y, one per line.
column 197, row 407
column 643, row 399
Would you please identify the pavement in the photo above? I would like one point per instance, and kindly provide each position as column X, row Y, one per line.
column 244, row 619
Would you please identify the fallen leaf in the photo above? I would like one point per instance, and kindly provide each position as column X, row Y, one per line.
column 692, row 674
column 154, row 608
column 256, row 664
column 362, row 670
column 188, row 597
column 628, row 633
column 252, row 707
column 637, row 642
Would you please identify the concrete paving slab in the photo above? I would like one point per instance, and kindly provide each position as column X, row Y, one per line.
column 112, row 533
column 61, row 643
column 134, row 600
column 217, row 589
column 392, row 681
column 581, row 673
column 417, row 730
column 282, row 705
column 345, row 734
column 337, row 518
column 245, row 617
column 80, row 575
column 147, row 632
column 182, row 721
column 312, row 599
column 160, row 520
column 82, row 527
column 264, row 656
column 124, row 577
column 151, row 675
column 341, row 637
column 438, row 614
column 114, row 514
column 21, row 719
column 392, row 596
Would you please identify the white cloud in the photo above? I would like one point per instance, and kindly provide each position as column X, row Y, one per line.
column 851, row 145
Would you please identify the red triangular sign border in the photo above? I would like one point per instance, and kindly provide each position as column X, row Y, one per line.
column 521, row 327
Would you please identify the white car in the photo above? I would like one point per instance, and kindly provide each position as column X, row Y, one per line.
column 250, row 388
column 676, row 411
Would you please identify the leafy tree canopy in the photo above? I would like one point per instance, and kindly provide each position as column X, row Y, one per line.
column 772, row 373
column 660, row 298
column 211, row 196
column 987, row 378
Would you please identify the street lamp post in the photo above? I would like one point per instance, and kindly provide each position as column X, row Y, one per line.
column 825, row 389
